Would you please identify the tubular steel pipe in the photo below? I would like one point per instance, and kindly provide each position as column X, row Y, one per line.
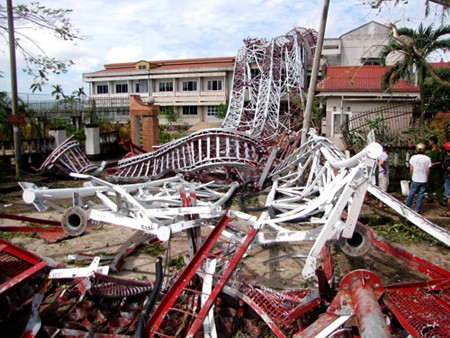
column 365, row 288
column 373, row 150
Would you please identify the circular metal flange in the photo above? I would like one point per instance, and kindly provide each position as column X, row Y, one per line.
column 362, row 277
column 74, row 221
column 358, row 245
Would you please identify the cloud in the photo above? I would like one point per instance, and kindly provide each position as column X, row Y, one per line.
column 125, row 53
column 120, row 31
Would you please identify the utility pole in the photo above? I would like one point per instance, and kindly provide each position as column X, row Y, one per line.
column 314, row 72
column 14, row 118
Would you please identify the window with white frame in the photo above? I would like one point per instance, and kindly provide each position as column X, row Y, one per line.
column 121, row 88
column 214, row 85
column 212, row 111
column 338, row 119
column 189, row 86
column 102, row 89
column 190, row 110
column 141, row 86
column 166, row 86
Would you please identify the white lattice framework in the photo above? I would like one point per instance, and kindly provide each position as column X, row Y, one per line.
column 265, row 73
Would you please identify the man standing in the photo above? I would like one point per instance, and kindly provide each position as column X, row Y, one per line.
column 383, row 171
column 419, row 166
column 446, row 166
column 436, row 174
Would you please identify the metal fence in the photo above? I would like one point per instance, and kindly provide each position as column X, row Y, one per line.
column 387, row 122
column 109, row 109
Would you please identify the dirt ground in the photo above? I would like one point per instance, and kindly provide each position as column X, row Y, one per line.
column 283, row 272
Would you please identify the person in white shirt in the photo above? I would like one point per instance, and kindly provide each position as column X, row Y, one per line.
column 419, row 166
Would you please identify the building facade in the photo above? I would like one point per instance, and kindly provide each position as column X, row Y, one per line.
column 360, row 46
column 194, row 88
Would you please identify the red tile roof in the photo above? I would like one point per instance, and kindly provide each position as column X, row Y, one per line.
column 172, row 64
column 359, row 79
column 440, row 64
column 443, row 115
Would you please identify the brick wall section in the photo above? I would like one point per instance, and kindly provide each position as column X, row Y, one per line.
column 148, row 130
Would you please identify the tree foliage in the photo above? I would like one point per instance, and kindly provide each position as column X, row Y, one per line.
column 378, row 4
column 170, row 114
column 437, row 97
column 222, row 110
column 38, row 17
column 414, row 48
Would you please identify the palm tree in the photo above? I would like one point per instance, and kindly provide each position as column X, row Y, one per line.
column 80, row 94
column 57, row 91
column 414, row 48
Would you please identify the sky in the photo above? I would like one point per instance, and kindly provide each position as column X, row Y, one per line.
column 120, row 31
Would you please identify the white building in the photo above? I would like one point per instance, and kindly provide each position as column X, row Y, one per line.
column 196, row 87
column 193, row 87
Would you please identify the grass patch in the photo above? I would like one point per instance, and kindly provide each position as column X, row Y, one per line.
column 177, row 262
column 153, row 249
column 405, row 233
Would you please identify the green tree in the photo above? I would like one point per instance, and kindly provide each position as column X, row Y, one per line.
column 58, row 92
column 34, row 16
column 414, row 48
column 377, row 4
column 437, row 97
column 222, row 110
column 170, row 114
column 79, row 93
column 5, row 111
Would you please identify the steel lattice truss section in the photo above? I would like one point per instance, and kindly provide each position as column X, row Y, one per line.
column 69, row 158
column 265, row 72
column 204, row 149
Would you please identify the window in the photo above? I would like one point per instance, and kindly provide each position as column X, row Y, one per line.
column 189, row 86
column 371, row 61
column 142, row 67
column 102, row 89
column 141, row 86
column 337, row 122
column 190, row 110
column 166, row 86
column 212, row 111
column 215, row 85
column 121, row 88
column 254, row 73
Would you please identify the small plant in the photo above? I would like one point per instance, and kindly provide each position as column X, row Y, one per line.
column 153, row 249
column 170, row 114
column 177, row 262
column 405, row 233
column 222, row 111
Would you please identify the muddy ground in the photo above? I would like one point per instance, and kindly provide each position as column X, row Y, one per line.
column 285, row 273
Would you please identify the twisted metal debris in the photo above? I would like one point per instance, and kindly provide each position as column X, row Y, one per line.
column 312, row 184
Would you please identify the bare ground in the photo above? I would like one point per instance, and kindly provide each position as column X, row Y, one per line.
column 255, row 268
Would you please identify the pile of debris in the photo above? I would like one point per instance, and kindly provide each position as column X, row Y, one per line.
column 188, row 186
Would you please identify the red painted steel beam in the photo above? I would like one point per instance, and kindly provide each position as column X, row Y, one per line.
column 184, row 278
column 221, row 283
column 29, row 219
column 35, row 264
column 258, row 309
column 365, row 289
column 412, row 260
